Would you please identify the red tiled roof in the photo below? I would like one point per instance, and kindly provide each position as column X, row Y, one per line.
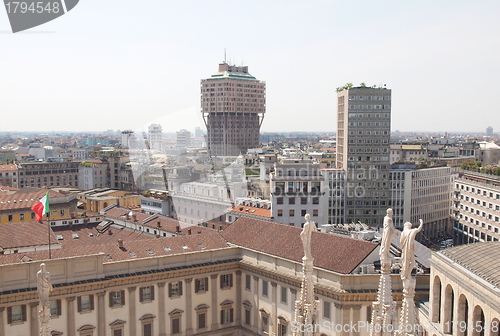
column 332, row 252
column 24, row 199
column 248, row 210
column 8, row 167
column 16, row 235
column 139, row 248
column 167, row 224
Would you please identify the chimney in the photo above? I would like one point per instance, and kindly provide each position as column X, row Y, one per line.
column 189, row 231
column 110, row 232
column 178, row 228
column 157, row 236
column 120, row 243
column 2, row 252
column 16, row 251
column 158, row 224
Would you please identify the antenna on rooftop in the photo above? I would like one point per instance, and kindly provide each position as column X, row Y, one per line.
column 225, row 55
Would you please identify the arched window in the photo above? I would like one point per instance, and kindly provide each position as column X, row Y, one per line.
column 478, row 321
column 462, row 316
column 448, row 312
column 436, row 300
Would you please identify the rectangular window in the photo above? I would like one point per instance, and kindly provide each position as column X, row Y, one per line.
column 280, row 213
column 21, row 217
column 226, row 281
column 11, row 218
column 201, row 285
column 85, row 303
column 303, row 200
column 248, row 280
column 303, row 212
column 175, row 289
column 147, row 329
column 291, row 212
column 117, row 298
column 291, row 200
column 55, row 307
column 226, row 315
column 315, row 212
column 279, row 200
column 315, row 200
column 176, row 325
column 283, row 294
column 264, row 288
column 146, row 294
column 248, row 315
column 202, row 320
column 16, row 314
column 326, row 309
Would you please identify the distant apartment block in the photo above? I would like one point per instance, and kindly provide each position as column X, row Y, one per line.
column 297, row 189
column 233, row 104
column 476, row 208
column 48, row 174
column 363, row 134
column 9, row 175
column 183, row 139
column 422, row 194
column 335, row 184
column 155, row 137
column 93, row 174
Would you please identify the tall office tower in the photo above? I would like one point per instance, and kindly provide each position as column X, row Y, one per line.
column 363, row 134
column 233, row 104
column 183, row 139
column 155, row 137
column 127, row 138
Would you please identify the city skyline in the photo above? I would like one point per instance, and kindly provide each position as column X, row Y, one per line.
column 69, row 75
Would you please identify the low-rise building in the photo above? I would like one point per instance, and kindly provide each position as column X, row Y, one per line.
column 297, row 188
column 9, row 175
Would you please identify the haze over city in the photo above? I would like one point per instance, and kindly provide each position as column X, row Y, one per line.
column 125, row 65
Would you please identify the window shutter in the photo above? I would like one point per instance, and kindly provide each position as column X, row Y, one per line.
column 230, row 280
column 221, row 282
column 111, row 299
column 206, row 284
column 180, row 288
column 123, row 297
column 141, row 294
column 9, row 315
column 152, row 293
column 59, row 311
column 222, row 316
column 231, row 315
column 91, row 298
column 79, row 304
column 169, row 289
column 196, row 283
column 23, row 312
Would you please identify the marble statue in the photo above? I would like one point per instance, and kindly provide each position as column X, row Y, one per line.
column 306, row 234
column 408, row 249
column 43, row 286
column 387, row 235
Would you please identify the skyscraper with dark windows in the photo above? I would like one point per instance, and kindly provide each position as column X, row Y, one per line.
column 233, row 104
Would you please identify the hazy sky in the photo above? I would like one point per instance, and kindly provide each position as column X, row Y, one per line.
column 125, row 64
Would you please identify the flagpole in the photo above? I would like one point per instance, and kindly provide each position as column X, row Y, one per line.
column 48, row 222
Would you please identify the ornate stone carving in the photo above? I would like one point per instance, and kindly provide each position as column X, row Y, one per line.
column 387, row 235
column 306, row 308
column 44, row 287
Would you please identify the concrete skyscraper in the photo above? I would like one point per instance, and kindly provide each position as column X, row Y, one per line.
column 233, row 104
column 363, row 134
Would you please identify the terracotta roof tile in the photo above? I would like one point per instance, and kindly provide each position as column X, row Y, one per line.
column 254, row 211
column 332, row 252
column 16, row 235
column 24, row 200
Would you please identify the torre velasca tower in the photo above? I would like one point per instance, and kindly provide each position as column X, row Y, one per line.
column 233, row 104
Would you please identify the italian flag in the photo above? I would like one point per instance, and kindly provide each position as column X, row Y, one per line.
column 41, row 207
